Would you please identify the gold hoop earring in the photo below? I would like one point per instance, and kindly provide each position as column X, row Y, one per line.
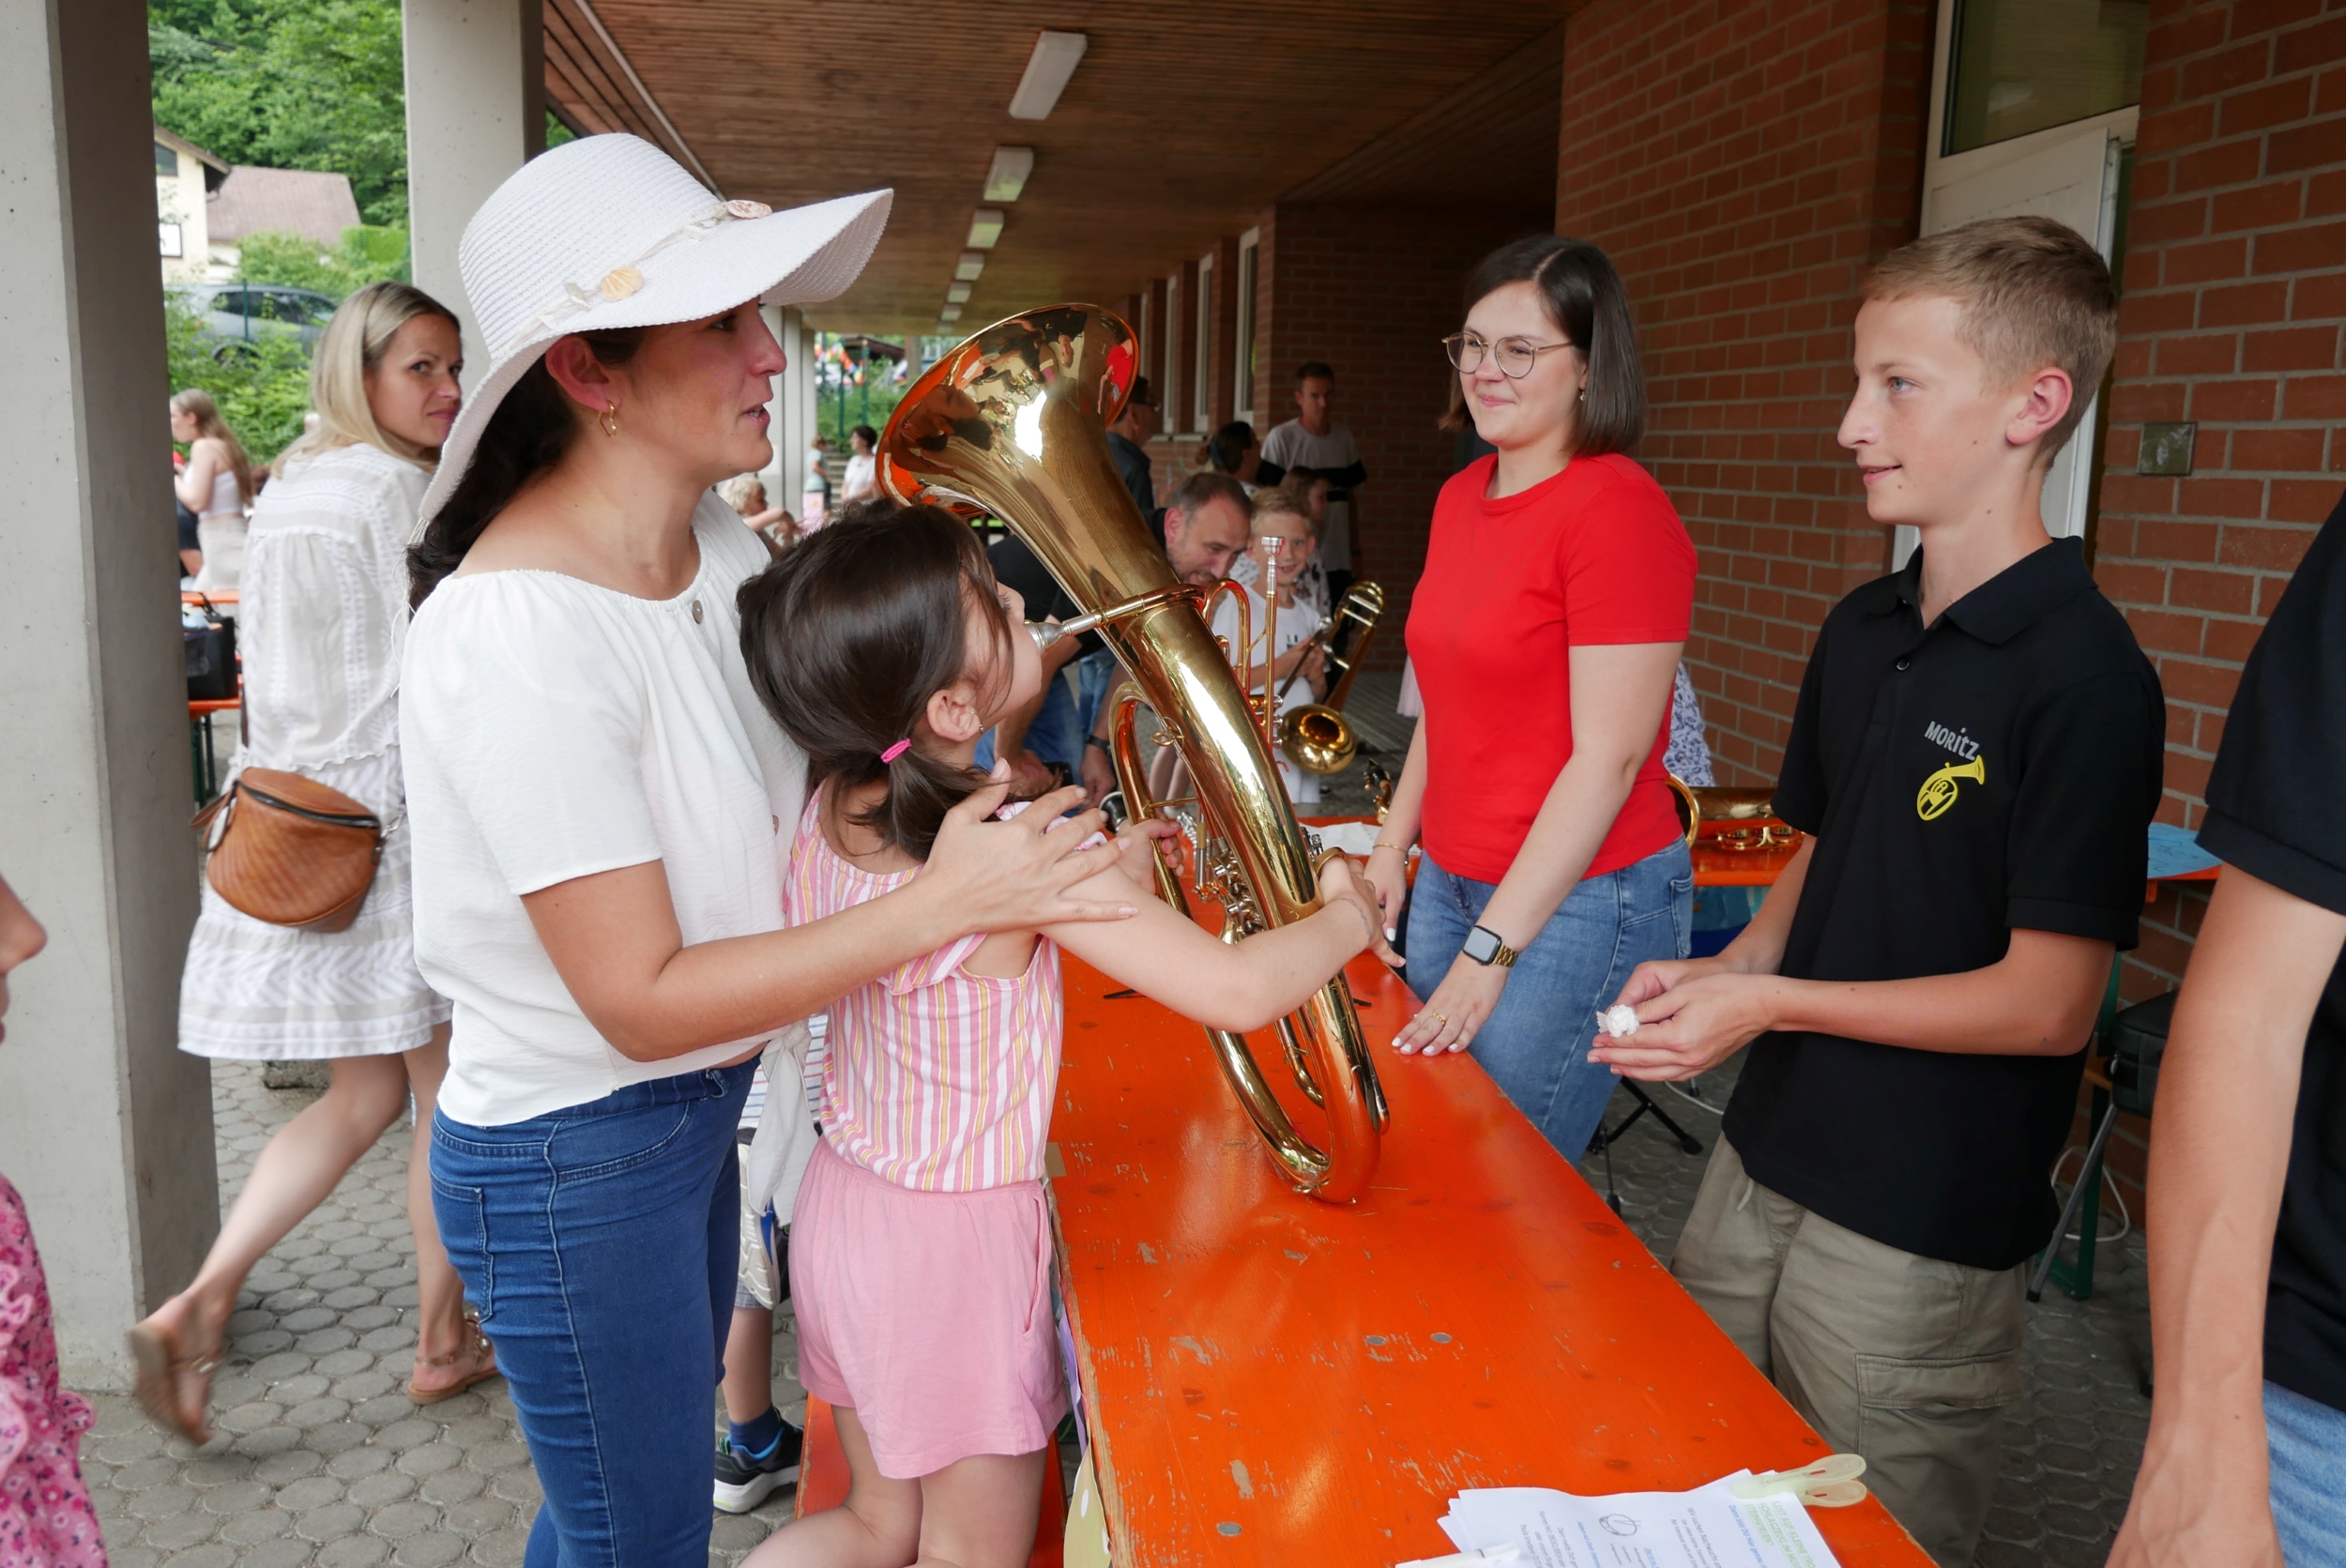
column 609, row 418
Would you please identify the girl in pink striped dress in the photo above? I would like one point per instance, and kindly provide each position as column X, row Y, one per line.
column 919, row 1250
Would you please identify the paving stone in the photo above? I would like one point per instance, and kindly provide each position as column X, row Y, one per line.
column 268, row 1442
column 353, row 1551
column 402, row 1435
column 314, row 1492
column 504, row 1550
column 239, row 1496
column 216, row 1555
column 134, row 1556
column 261, row 1524
column 479, row 1516
column 382, row 1487
column 399, row 1520
column 331, row 1522
column 160, row 1502
column 334, row 1437
column 356, row 1464
column 180, row 1530
column 433, row 1548
column 279, row 1469
column 449, row 1487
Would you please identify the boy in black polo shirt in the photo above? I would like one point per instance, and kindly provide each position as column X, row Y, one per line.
column 2249, row 1211
column 1976, row 757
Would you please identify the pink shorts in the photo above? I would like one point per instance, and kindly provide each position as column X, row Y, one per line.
column 927, row 1313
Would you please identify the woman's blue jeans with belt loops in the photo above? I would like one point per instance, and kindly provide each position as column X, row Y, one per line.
column 1535, row 1043
column 599, row 1241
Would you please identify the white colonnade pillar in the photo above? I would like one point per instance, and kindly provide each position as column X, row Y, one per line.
column 476, row 112
column 105, row 1127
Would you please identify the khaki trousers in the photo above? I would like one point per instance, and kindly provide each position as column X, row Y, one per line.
column 1905, row 1359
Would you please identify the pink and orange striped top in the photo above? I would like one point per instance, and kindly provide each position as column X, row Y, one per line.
column 939, row 1079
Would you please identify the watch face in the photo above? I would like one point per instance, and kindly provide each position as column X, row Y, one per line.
column 1481, row 945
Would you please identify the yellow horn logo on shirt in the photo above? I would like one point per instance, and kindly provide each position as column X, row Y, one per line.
column 1938, row 792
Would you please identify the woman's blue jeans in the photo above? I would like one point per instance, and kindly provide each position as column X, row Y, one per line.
column 600, row 1243
column 1535, row 1043
column 2307, row 1441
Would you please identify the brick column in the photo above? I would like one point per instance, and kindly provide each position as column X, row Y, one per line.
column 2234, row 315
column 1743, row 161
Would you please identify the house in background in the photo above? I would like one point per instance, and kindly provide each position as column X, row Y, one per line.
column 188, row 182
column 317, row 206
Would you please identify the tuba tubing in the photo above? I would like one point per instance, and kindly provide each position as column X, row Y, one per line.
column 1013, row 423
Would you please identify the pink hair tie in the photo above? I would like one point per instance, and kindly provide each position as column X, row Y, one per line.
column 899, row 749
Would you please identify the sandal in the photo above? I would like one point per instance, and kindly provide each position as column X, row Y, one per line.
column 476, row 1346
column 161, row 1370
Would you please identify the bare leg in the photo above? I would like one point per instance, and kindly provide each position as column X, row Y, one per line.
column 979, row 1512
column 878, row 1527
column 294, row 1174
column 440, row 1327
column 976, row 1513
column 749, row 1384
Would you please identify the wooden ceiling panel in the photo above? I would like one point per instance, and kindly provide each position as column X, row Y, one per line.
column 1182, row 123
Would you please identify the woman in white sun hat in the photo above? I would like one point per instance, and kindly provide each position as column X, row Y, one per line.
column 601, row 812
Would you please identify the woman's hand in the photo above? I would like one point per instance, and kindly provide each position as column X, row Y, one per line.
column 1389, row 873
column 1014, row 875
column 1340, row 881
column 1458, row 1008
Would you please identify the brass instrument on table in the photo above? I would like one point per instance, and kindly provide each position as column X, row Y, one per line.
column 1318, row 738
column 1013, row 422
column 1723, row 817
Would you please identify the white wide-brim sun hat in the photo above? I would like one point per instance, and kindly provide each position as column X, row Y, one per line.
column 608, row 231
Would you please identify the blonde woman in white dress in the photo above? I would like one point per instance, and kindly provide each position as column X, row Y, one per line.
column 324, row 622
column 215, row 485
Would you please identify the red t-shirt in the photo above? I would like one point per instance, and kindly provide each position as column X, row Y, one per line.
column 1595, row 555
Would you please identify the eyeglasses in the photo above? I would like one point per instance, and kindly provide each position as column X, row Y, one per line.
column 1516, row 355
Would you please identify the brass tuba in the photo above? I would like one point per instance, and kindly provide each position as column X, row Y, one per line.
column 1317, row 737
column 1013, row 422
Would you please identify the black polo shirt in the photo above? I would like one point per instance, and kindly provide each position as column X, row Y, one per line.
column 2273, row 810
column 1997, row 770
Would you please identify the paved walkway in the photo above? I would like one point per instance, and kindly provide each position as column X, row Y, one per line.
column 318, row 1456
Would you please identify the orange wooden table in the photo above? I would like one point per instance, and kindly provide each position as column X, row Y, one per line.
column 1273, row 1380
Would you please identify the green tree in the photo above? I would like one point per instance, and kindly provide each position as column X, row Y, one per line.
column 289, row 85
column 263, row 387
column 366, row 255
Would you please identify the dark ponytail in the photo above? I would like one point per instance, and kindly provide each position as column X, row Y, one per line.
column 528, row 434
column 850, row 633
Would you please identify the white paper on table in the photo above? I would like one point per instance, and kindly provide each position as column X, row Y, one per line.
column 1706, row 1528
column 1353, row 838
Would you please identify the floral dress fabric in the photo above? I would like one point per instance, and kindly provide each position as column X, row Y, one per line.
column 46, row 1520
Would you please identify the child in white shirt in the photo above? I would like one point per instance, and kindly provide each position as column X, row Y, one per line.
column 1284, row 531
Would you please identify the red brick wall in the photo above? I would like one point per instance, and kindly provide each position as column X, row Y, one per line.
column 1743, row 160
column 2233, row 317
column 1372, row 291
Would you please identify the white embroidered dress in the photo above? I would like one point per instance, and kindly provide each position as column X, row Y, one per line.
column 323, row 623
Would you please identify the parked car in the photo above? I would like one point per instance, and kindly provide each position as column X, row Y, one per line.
column 236, row 314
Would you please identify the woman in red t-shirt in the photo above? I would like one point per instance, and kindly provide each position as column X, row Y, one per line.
column 1545, row 632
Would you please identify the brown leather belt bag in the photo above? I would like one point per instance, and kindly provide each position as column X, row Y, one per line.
column 290, row 851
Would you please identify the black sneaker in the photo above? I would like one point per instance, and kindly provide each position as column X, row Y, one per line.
column 745, row 1479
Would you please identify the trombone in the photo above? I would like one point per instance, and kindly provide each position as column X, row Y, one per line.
column 1317, row 737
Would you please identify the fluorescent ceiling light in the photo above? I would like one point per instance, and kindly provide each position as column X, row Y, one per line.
column 950, row 315
column 1053, row 60
column 971, row 264
column 956, row 293
column 985, row 227
column 1008, row 175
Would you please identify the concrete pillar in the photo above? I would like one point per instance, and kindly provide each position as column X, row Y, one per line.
column 476, row 112
column 792, row 411
column 104, row 1126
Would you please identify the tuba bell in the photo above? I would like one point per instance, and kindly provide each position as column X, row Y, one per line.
column 1013, row 423
column 1317, row 737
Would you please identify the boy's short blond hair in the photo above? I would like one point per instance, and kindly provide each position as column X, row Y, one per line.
column 1278, row 501
column 2034, row 292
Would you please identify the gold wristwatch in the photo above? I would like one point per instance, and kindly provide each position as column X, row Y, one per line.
column 1484, row 947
